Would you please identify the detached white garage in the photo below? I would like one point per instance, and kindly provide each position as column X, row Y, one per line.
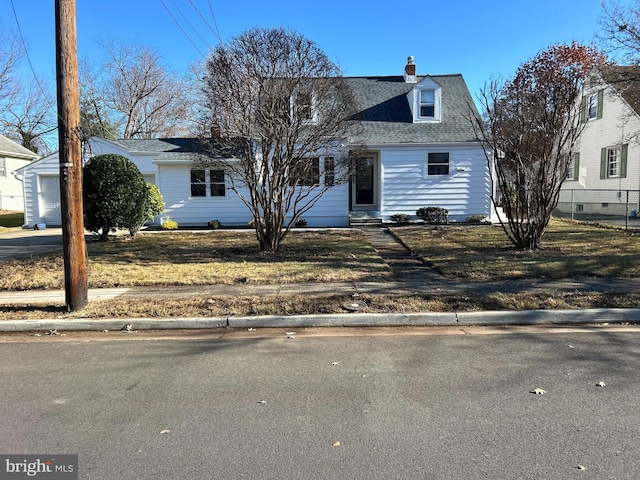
column 41, row 184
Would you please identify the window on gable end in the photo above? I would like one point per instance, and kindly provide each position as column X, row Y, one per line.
column 574, row 167
column 613, row 162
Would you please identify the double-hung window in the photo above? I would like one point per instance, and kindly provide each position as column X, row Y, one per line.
column 438, row 163
column 3, row 168
column 208, row 183
column 613, row 162
column 593, row 106
column 573, row 168
column 427, row 103
column 305, row 172
column 329, row 171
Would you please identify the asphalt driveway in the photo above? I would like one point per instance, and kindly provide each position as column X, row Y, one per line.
column 24, row 243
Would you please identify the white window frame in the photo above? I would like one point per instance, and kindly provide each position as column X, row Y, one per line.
column 3, row 168
column 429, row 104
column 592, row 106
column 614, row 161
column 415, row 101
column 207, row 183
column 313, row 117
column 439, row 164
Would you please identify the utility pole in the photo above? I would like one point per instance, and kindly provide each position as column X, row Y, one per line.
column 70, row 153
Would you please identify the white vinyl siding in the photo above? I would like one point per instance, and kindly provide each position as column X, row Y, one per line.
column 406, row 187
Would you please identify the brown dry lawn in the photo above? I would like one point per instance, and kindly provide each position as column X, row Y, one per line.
column 483, row 252
column 474, row 253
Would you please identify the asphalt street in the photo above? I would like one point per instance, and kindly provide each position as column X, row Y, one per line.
column 328, row 403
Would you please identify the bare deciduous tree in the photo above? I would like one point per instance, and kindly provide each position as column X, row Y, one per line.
column 30, row 115
column 620, row 34
column 531, row 127
column 147, row 98
column 27, row 110
column 11, row 52
column 283, row 105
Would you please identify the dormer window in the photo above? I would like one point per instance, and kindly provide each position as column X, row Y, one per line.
column 425, row 101
column 303, row 106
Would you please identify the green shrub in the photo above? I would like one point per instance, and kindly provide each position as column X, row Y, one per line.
column 399, row 218
column 433, row 215
column 115, row 195
column 300, row 223
column 477, row 219
column 155, row 203
column 215, row 224
column 169, row 225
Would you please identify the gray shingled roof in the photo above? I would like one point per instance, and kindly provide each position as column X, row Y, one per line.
column 177, row 149
column 385, row 116
column 10, row 148
column 626, row 81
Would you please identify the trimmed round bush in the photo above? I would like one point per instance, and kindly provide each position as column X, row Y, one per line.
column 433, row 215
column 115, row 195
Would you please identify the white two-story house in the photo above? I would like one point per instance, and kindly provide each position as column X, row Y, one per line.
column 604, row 176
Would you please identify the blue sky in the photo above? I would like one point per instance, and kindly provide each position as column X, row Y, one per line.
column 480, row 40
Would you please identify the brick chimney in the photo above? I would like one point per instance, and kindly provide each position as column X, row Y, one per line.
column 410, row 71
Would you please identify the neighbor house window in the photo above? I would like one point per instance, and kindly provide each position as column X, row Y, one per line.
column 305, row 173
column 427, row 103
column 438, row 164
column 574, row 166
column 3, row 168
column 209, row 181
column 592, row 106
column 613, row 162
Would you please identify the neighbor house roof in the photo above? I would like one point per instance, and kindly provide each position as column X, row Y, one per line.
column 626, row 81
column 10, row 148
column 385, row 117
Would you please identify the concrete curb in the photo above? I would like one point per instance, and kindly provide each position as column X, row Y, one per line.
column 488, row 318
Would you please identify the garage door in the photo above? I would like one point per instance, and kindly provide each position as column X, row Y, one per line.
column 50, row 200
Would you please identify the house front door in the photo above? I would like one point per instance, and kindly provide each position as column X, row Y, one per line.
column 365, row 183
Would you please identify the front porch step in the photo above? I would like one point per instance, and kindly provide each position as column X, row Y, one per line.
column 359, row 222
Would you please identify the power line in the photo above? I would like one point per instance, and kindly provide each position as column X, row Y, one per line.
column 181, row 29
column 33, row 71
column 188, row 22
column 215, row 32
